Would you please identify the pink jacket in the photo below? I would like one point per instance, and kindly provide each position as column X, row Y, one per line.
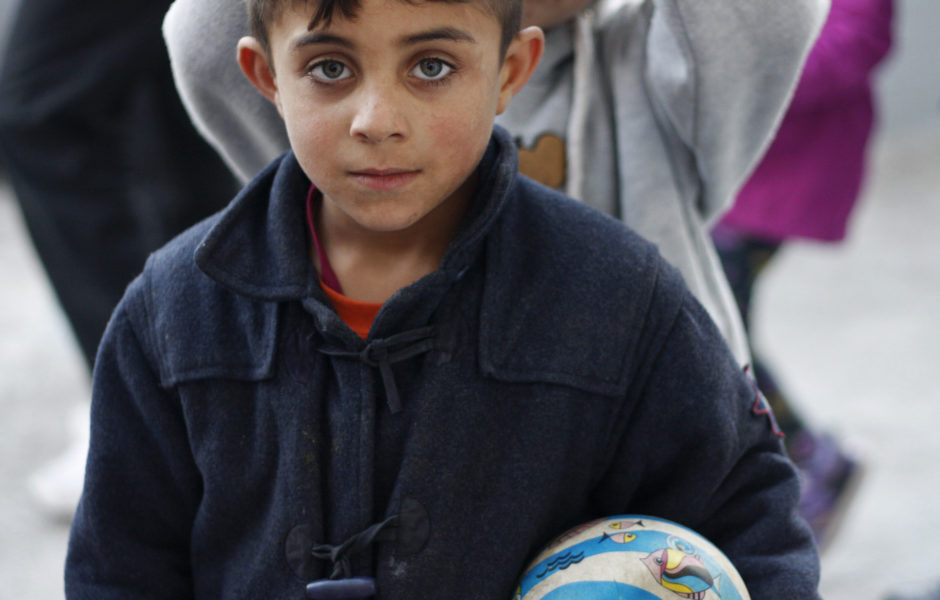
column 812, row 173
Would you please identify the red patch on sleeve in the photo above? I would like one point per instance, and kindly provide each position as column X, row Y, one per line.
column 761, row 407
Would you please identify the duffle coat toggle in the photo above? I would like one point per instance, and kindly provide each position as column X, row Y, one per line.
column 410, row 528
column 383, row 353
column 341, row 584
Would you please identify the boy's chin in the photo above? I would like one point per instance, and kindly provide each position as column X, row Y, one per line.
column 390, row 222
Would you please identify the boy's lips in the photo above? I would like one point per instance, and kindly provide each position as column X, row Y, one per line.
column 384, row 179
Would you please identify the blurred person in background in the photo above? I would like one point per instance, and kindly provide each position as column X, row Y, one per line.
column 105, row 164
column 805, row 188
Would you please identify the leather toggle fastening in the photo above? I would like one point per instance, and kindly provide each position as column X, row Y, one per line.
column 341, row 584
column 383, row 353
column 410, row 529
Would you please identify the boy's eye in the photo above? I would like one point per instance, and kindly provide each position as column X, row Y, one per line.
column 330, row 70
column 431, row 69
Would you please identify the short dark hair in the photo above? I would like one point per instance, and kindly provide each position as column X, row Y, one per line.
column 262, row 13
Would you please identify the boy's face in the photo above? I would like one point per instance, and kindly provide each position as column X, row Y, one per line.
column 388, row 113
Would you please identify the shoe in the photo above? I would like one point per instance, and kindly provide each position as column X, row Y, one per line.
column 57, row 486
column 831, row 478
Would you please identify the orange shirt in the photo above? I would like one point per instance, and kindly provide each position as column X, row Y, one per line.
column 355, row 313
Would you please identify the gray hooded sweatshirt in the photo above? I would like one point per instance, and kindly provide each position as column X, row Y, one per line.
column 654, row 111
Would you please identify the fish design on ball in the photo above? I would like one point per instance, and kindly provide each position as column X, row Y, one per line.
column 680, row 572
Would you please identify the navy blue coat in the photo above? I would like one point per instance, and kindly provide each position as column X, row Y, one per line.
column 553, row 370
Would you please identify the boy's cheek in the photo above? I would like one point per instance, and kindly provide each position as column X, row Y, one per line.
column 459, row 135
column 314, row 125
column 310, row 142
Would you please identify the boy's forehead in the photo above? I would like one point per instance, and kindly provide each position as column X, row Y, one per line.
column 306, row 15
column 323, row 12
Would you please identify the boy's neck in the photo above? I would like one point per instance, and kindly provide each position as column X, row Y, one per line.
column 372, row 265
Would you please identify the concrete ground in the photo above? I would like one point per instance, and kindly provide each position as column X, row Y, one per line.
column 851, row 330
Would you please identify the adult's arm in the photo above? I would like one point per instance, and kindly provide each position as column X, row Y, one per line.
column 240, row 123
column 721, row 74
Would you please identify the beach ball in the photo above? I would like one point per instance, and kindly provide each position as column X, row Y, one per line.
column 631, row 557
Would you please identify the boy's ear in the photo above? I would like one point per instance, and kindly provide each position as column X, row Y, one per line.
column 253, row 61
column 522, row 57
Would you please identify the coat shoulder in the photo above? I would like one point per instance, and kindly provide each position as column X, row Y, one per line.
column 195, row 327
column 573, row 296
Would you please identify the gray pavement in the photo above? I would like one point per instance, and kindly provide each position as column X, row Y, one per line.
column 41, row 379
column 851, row 329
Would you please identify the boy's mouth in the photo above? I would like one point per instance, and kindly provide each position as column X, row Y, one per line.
column 384, row 179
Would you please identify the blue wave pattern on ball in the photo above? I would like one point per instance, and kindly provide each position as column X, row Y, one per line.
column 599, row 590
column 646, row 541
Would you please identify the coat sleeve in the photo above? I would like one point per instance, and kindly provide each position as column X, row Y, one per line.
column 720, row 74
column 131, row 534
column 695, row 444
column 244, row 128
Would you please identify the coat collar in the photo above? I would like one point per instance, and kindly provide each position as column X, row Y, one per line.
column 259, row 248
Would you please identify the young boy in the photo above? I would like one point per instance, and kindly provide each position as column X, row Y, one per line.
column 650, row 110
column 376, row 361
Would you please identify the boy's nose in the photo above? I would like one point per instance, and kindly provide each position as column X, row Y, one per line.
column 378, row 117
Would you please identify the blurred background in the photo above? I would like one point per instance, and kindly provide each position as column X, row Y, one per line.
column 850, row 328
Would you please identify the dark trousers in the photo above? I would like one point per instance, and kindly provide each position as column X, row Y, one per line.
column 98, row 148
column 744, row 258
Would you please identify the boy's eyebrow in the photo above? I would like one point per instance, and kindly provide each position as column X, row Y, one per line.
column 440, row 33
column 321, row 38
